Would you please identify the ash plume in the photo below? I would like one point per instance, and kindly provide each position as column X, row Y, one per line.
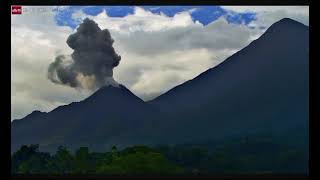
column 91, row 64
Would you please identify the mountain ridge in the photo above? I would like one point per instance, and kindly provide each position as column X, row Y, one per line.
column 270, row 29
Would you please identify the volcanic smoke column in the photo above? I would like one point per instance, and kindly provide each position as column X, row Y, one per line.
column 91, row 64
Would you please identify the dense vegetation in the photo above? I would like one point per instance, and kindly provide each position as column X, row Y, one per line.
column 242, row 155
column 133, row 160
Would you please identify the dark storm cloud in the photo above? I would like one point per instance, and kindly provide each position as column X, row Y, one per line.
column 92, row 61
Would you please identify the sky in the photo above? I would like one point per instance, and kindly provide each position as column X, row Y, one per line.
column 160, row 46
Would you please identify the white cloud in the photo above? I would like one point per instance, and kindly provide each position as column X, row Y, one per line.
column 259, row 9
column 141, row 20
column 185, row 38
column 267, row 15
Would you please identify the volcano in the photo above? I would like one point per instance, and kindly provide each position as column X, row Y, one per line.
column 263, row 87
column 108, row 116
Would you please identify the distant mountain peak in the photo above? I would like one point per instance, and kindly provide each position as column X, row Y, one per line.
column 35, row 113
column 109, row 86
column 287, row 21
column 284, row 25
column 112, row 93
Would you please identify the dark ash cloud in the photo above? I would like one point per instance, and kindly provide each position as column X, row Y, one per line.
column 91, row 64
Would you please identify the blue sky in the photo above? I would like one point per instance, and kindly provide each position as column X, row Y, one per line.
column 203, row 14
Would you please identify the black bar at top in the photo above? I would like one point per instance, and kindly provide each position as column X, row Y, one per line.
column 160, row 2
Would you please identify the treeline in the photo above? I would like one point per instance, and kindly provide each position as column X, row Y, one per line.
column 242, row 155
column 247, row 155
column 133, row 160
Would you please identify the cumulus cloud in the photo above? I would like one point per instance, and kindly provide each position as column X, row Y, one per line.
column 195, row 36
column 140, row 20
column 157, row 53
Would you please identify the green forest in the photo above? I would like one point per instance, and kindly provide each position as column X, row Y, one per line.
column 241, row 155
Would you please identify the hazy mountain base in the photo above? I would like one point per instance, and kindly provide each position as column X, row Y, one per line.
column 248, row 155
